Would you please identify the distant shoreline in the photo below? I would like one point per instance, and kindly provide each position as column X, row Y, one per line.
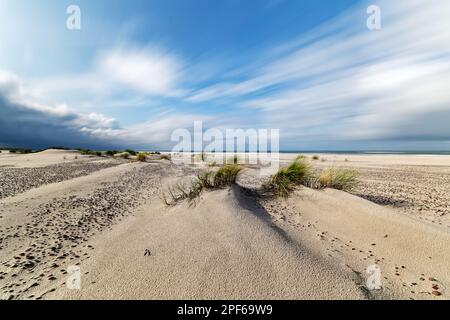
column 373, row 152
column 350, row 152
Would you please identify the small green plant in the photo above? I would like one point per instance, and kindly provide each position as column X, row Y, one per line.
column 281, row 184
column 206, row 180
column 340, row 179
column 315, row 157
column 165, row 157
column 90, row 152
column 227, row 175
column 85, row 151
column 234, row 159
column 125, row 155
column 59, row 148
column 131, row 152
column 142, row 157
column 182, row 191
column 21, row 151
column 190, row 191
column 111, row 153
column 286, row 179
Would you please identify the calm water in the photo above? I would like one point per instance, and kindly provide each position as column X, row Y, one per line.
column 373, row 152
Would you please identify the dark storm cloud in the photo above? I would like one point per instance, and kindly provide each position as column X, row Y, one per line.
column 22, row 125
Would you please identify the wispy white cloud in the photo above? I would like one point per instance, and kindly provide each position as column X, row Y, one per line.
column 148, row 70
column 338, row 83
column 344, row 82
column 125, row 69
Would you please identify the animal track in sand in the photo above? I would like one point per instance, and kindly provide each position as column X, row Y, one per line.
column 17, row 180
column 421, row 191
column 59, row 229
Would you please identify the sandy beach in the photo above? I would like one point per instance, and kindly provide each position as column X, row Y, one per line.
column 107, row 217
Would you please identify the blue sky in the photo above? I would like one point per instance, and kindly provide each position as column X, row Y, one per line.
column 137, row 70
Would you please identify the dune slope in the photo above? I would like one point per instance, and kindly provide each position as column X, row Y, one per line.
column 413, row 255
column 217, row 249
column 231, row 244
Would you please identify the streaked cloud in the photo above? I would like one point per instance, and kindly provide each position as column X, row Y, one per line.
column 338, row 84
column 122, row 70
column 148, row 70
column 344, row 82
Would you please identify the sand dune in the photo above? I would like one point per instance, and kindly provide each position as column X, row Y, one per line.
column 40, row 159
column 413, row 256
column 232, row 244
column 215, row 250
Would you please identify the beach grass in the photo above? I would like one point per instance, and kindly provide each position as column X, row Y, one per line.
column 167, row 157
column 338, row 178
column 225, row 176
column 300, row 173
column 286, row 179
column 142, row 157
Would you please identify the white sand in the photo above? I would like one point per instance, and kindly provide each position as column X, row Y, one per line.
column 316, row 245
column 39, row 159
column 376, row 159
column 362, row 233
column 215, row 250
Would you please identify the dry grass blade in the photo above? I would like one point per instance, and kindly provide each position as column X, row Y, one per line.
column 340, row 179
column 286, row 179
column 225, row 176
